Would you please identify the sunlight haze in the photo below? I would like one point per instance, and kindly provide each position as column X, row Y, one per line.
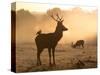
column 81, row 21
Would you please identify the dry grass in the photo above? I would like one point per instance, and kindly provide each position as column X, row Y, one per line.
column 66, row 58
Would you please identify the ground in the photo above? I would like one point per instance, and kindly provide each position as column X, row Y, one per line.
column 66, row 58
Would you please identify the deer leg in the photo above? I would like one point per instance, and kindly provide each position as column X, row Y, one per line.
column 49, row 51
column 53, row 53
column 38, row 58
column 82, row 45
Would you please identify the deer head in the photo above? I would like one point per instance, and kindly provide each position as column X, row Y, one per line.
column 60, row 26
column 72, row 45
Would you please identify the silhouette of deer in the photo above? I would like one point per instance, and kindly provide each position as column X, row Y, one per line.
column 79, row 43
column 50, row 40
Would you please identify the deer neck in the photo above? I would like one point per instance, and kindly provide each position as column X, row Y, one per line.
column 72, row 45
column 58, row 34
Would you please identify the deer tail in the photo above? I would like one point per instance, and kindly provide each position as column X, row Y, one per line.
column 39, row 32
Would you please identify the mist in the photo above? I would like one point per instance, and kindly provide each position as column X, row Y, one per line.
column 81, row 24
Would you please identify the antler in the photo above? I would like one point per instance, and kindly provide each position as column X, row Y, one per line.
column 59, row 17
column 53, row 17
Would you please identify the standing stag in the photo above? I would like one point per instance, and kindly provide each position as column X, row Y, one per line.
column 50, row 40
column 79, row 43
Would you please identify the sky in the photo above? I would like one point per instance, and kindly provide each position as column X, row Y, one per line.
column 40, row 7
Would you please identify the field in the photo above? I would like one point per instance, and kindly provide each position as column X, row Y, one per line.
column 66, row 58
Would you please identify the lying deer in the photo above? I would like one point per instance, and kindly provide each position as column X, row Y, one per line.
column 50, row 40
column 79, row 43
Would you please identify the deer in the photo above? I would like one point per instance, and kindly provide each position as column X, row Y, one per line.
column 50, row 40
column 79, row 43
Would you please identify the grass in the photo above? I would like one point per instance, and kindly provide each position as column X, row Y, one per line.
column 66, row 58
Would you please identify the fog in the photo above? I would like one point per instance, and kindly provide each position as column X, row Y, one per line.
column 81, row 24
